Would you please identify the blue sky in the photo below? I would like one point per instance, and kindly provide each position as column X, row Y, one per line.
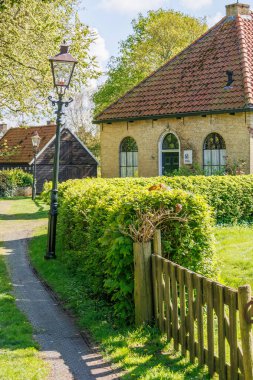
column 112, row 18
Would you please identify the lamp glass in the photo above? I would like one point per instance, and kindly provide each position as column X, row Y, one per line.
column 62, row 72
column 36, row 140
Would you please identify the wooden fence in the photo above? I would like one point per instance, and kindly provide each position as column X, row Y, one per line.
column 205, row 319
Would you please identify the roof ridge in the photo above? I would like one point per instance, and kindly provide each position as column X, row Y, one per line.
column 33, row 126
column 245, row 65
column 164, row 65
column 29, row 127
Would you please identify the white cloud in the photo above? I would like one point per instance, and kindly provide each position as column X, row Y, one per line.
column 212, row 20
column 131, row 5
column 99, row 50
column 196, row 4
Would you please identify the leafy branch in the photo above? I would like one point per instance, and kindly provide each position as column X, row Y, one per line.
column 6, row 151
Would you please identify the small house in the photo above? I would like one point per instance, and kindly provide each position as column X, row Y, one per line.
column 197, row 109
column 76, row 161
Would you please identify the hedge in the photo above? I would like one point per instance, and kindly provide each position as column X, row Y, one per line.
column 11, row 179
column 231, row 197
column 93, row 227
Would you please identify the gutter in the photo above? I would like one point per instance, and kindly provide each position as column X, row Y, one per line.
column 175, row 115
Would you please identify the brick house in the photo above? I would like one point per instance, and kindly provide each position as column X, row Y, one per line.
column 76, row 161
column 194, row 110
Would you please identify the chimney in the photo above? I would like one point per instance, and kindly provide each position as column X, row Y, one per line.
column 3, row 129
column 237, row 9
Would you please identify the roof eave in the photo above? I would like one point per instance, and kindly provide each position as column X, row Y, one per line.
column 248, row 108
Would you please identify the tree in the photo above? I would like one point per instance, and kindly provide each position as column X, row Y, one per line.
column 31, row 31
column 156, row 38
column 5, row 3
column 7, row 152
column 80, row 120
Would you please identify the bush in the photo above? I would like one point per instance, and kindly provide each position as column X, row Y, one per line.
column 231, row 197
column 95, row 215
column 94, row 220
column 21, row 178
column 10, row 180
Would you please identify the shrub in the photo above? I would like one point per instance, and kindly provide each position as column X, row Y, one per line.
column 95, row 215
column 7, row 185
column 10, row 180
column 192, row 170
column 21, row 178
column 231, row 197
column 94, row 220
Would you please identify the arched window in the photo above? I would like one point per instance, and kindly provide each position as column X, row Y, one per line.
column 170, row 152
column 128, row 158
column 214, row 154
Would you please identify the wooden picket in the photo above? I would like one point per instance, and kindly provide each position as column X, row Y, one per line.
column 202, row 318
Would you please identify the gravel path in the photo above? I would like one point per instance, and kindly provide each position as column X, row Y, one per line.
column 61, row 344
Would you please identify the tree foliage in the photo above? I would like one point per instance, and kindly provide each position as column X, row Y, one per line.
column 156, row 38
column 6, row 151
column 31, row 31
column 80, row 120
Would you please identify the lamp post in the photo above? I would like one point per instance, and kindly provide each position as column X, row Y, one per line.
column 62, row 66
column 35, row 142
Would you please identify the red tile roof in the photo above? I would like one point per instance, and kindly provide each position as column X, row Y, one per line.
column 21, row 138
column 194, row 81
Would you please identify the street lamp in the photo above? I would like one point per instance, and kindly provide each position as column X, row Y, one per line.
column 35, row 142
column 62, row 66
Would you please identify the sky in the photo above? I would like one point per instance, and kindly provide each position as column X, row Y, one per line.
column 112, row 18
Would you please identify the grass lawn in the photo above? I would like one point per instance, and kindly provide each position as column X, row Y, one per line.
column 142, row 352
column 25, row 209
column 19, row 358
column 235, row 255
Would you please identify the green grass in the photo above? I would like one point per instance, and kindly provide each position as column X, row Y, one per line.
column 19, row 358
column 235, row 255
column 142, row 352
column 25, row 209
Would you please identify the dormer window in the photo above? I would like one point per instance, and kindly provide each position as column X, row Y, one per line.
column 230, row 79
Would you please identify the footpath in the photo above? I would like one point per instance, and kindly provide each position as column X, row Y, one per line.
column 62, row 346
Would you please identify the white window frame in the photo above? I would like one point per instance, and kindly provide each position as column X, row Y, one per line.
column 120, row 160
column 211, row 165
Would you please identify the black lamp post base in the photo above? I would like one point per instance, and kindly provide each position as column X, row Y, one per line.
column 50, row 256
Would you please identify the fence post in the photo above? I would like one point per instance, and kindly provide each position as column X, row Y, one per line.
column 143, row 292
column 244, row 296
column 157, row 242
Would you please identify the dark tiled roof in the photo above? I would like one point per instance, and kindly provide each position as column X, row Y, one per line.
column 195, row 80
column 21, row 138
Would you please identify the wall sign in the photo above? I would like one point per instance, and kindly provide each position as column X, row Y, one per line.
column 187, row 157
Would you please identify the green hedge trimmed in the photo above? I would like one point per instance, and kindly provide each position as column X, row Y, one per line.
column 94, row 217
column 231, row 197
column 93, row 213
column 10, row 180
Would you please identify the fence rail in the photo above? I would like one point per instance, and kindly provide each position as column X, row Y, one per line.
column 205, row 319
column 187, row 306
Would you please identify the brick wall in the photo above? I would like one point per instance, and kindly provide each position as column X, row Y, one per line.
column 191, row 132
